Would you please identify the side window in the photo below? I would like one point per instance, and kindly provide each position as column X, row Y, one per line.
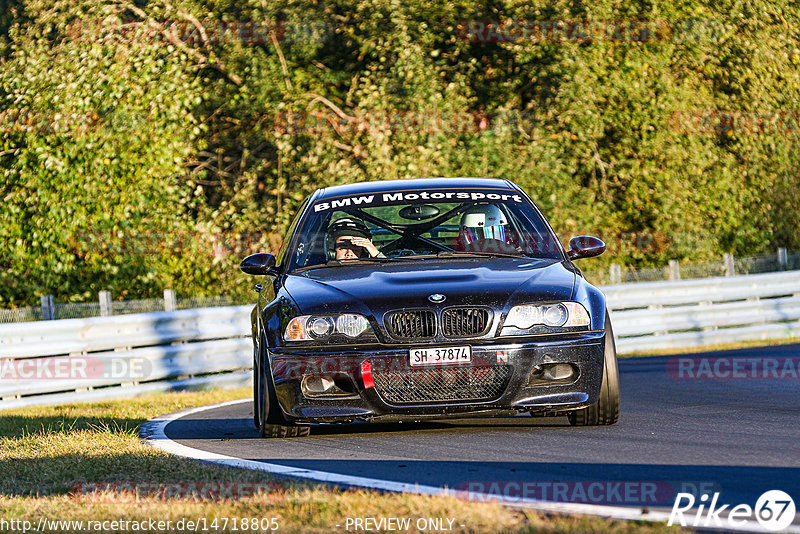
column 311, row 248
column 531, row 235
column 289, row 233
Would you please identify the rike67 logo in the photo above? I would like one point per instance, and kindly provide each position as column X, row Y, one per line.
column 774, row 511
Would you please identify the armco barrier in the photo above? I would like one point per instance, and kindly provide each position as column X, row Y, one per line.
column 707, row 311
column 52, row 362
column 99, row 358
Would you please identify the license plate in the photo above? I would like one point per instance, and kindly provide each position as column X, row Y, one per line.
column 440, row 355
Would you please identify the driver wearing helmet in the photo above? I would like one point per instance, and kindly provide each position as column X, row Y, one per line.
column 484, row 228
column 350, row 239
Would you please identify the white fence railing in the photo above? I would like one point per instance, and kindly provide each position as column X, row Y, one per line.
column 54, row 362
column 709, row 311
column 51, row 362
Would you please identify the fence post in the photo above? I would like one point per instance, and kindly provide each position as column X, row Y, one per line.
column 170, row 302
column 783, row 258
column 105, row 304
column 674, row 270
column 730, row 268
column 615, row 272
column 48, row 308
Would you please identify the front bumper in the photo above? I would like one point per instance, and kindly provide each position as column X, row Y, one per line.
column 522, row 390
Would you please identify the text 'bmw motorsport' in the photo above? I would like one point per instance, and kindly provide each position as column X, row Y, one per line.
column 401, row 197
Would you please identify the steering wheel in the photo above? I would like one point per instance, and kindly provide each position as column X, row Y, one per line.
column 409, row 240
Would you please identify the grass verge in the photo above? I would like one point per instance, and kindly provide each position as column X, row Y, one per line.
column 46, row 452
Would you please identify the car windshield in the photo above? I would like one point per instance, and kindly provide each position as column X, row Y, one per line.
column 419, row 225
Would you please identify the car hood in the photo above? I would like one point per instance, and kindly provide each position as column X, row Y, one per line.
column 374, row 288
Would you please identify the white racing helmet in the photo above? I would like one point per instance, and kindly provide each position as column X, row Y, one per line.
column 481, row 222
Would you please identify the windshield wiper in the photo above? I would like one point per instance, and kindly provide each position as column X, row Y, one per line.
column 335, row 263
column 355, row 261
column 445, row 254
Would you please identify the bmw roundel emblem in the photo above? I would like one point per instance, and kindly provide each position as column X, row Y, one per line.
column 437, row 297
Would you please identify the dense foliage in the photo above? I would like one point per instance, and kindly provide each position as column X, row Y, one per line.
column 150, row 144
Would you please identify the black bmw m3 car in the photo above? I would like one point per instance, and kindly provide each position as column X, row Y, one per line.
column 405, row 300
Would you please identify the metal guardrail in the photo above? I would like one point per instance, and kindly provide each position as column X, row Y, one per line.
column 71, row 360
column 692, row 313
column 98, row 358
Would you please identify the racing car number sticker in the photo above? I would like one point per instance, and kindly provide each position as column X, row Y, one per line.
column 440, row 355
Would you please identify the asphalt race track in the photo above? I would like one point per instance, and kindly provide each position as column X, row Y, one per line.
column 736, row 436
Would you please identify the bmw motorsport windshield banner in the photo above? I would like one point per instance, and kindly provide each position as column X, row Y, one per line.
column 406, row 197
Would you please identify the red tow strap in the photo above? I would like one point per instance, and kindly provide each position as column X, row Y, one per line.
column 366, row 375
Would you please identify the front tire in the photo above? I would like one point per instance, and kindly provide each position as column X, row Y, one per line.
column 606, row 410
column 267, row 415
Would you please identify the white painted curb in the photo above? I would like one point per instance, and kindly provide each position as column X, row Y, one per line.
column 153, row 433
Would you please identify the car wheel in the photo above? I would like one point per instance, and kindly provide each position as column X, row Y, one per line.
column 269, row 420
column 606, row 410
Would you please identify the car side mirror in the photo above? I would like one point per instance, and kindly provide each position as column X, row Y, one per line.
column 585, row 246
column 261, row 263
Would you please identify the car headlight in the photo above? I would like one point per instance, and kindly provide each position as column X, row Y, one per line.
column 319, row 327
column 559, row 314
column 351, row 325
